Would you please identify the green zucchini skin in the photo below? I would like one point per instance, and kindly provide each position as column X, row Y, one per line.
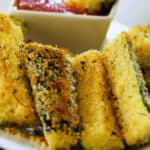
column 53, row 88
column 141, row 82
column 132, row 101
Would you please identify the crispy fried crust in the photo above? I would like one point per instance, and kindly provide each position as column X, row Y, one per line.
column 131, row 95
column 16, row 103
column 51, row 78
column 99, row 127
column 140, row 37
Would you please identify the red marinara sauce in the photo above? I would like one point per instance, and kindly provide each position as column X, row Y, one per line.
column 48, row 6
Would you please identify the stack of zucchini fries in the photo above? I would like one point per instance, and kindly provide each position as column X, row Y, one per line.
column 93, row 101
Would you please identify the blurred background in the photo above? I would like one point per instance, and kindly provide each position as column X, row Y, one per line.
column 133, row 12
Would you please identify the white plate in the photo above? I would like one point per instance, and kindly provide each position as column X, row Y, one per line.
column 12, row 144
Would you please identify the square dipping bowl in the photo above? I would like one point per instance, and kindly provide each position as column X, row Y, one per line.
column 75, row 32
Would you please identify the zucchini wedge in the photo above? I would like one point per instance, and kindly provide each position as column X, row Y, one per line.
column 132, row 100
column 140, row 37
column 100, row 130
column 16, row 102
column 52, row 82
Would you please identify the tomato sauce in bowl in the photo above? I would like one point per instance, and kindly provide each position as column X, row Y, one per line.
column 55, row 22
column 62, row 6
column 48, row 6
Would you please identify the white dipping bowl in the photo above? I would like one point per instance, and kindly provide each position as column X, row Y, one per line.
column 75, row 32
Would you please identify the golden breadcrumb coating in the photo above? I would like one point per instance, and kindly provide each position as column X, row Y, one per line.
column 140, row 37
column 131, row 95
column 16, row 103
column 52, row 81
column 99, row 127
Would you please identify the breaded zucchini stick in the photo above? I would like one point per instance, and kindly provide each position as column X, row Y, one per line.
column 130, row 92
column 16, row 103
column 99, row 128
column 140, row 37
column 52, row 81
